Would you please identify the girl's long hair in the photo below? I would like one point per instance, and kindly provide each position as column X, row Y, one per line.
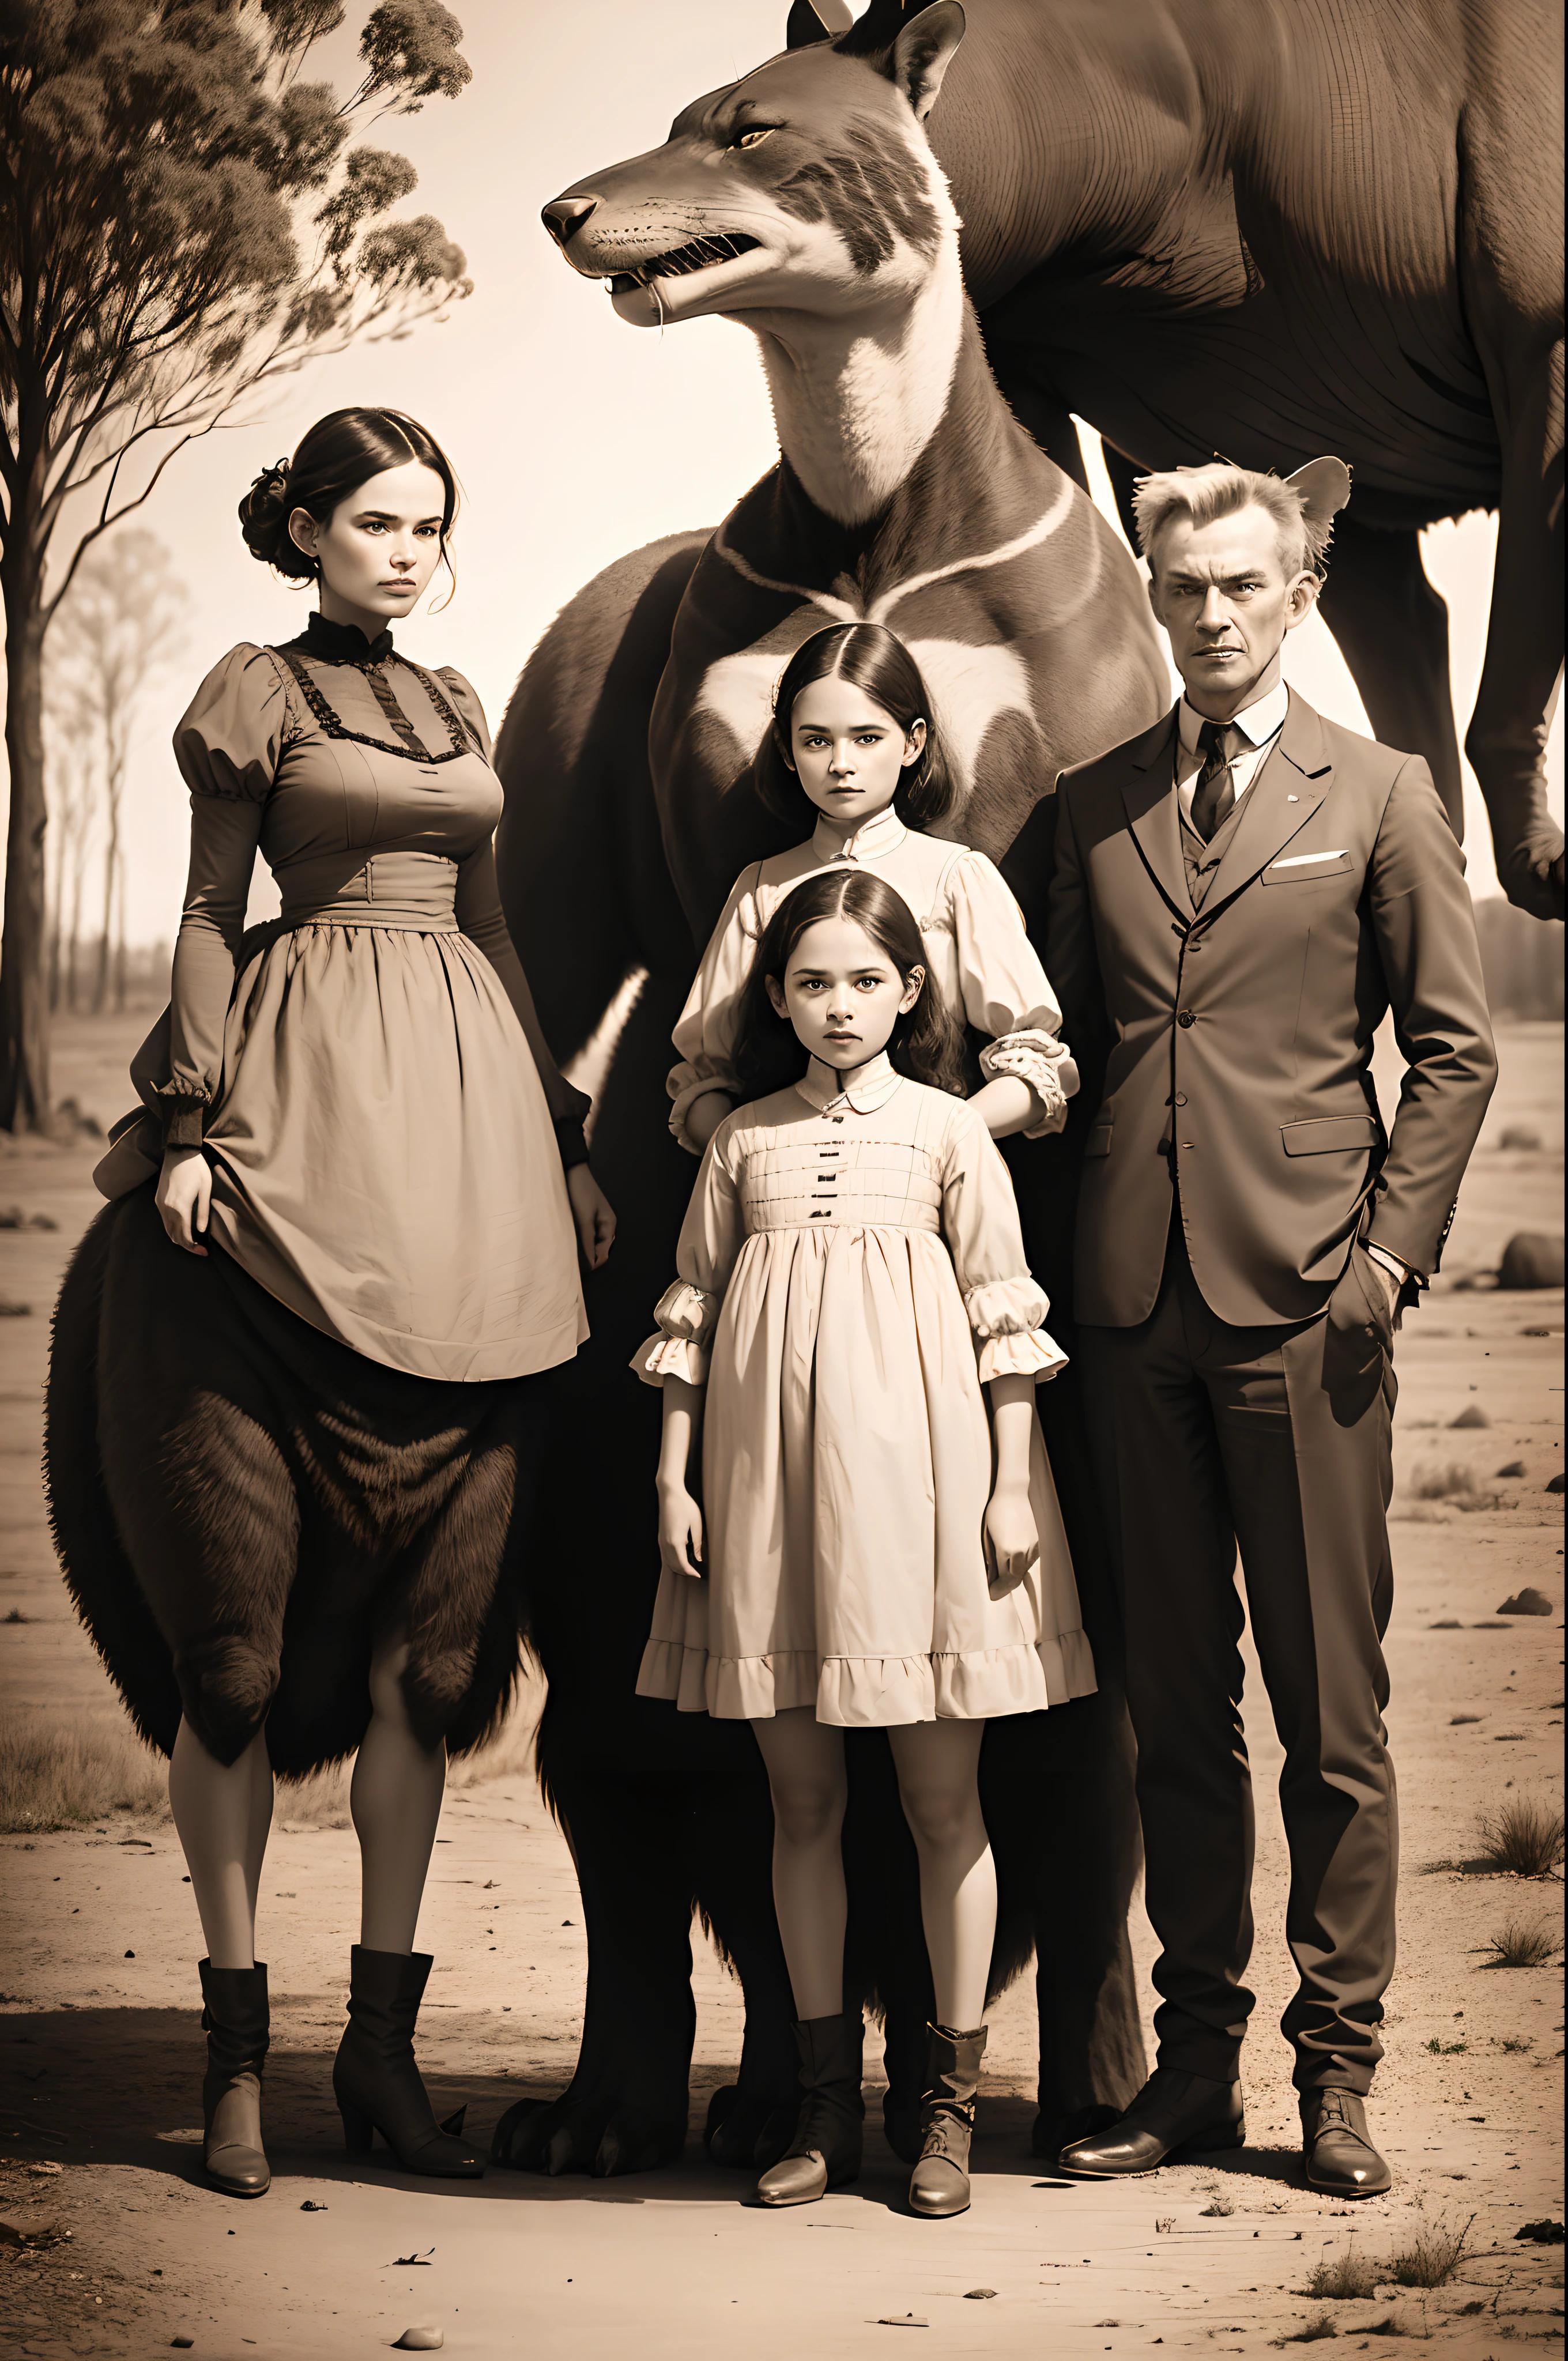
column 927, row 1044
column 337, row 454
column 869, row 657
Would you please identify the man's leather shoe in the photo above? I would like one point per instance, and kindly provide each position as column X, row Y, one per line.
column 1340, row 2159
column 1172, row 2112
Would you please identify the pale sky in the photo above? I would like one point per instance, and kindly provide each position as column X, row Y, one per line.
column 576, row 436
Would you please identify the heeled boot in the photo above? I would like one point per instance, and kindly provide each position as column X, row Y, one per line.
column 825, row 2151
column 235, row 2020
column 939, row 2183
column 374, row 2080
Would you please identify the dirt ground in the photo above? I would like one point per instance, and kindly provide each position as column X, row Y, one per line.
column 99, row 2052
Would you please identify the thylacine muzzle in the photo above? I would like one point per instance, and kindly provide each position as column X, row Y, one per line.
column 788, row 188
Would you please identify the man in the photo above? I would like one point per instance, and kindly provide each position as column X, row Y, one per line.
column 1240, row 896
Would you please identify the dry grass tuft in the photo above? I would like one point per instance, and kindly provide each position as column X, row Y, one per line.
column 1442, row 1479
column 1315, row 2331
column 1523, row 1836
column 55, row 1774
column 1433, row 2256
column 59, row 1777
column 1517, row 1945
column 1347, row 2276
column 1219, row 2204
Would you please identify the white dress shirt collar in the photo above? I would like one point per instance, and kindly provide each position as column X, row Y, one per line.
column 871, row 1087
column 1257, row 722
column 877, row 835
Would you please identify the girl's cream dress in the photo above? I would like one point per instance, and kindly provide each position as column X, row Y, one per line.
column 978, row 954
column 852, row 1272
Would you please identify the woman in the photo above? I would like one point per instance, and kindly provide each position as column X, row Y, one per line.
column 371, row 1185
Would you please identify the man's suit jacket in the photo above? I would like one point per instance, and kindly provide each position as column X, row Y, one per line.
column 1240, row 1035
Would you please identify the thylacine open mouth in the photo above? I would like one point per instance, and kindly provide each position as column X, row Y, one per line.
column 700, row 254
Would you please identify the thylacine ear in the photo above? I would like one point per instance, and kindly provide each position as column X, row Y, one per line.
column 923, row 52
column 817, row 21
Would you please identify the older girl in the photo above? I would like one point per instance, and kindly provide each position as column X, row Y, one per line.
column 322, row 1343
column 854, row 753
column 878, row 1553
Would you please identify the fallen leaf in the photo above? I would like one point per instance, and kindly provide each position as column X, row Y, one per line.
column 401, row 2262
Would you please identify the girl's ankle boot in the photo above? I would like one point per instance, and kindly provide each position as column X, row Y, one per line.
column 939, row 2183
column 374, row 2080
column 234, row 2019
column 825, row 2151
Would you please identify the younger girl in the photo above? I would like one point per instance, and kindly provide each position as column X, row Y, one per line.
column 874, row 1557
column 852, row 748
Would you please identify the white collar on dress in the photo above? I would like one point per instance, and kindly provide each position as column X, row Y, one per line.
column 1256, row 722
column 877, row 835
column 873, row 1085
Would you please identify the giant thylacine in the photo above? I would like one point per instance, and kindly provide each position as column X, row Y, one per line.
column 906, row 493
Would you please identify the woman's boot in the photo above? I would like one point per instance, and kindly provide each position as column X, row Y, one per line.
column 374, row 2078
column 939, row 2183
column 825, row 2151
column 234, row 2019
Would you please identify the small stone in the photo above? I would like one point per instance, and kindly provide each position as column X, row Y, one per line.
column 425, row 2338
column 313, row 2205
column 1542, row 2233
column 1528, row 1601
column 130, row 1955
column 1514, row 1467
column 978, row 2295
column 182, row 2344
column 1555, row 1485
column 1533, row 1259
column 1471, row 1415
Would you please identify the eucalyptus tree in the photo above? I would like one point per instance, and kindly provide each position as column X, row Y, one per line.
column 183, row 219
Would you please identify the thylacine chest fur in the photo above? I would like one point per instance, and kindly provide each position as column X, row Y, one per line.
column 999, row 574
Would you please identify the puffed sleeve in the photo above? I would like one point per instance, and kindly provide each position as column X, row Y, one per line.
column 469, row 710
column 704, row 1036
column 1005, row 991
column 711, row 1237
column 482, row 919
column 227, row 746
column 1006, row 1307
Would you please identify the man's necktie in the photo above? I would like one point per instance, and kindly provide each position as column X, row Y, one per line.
column 1214, row 797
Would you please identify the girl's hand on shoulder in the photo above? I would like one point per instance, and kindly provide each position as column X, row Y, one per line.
column 680, row 1532
column 593, row 1215
column 184, row 1197
column 1011, row 1541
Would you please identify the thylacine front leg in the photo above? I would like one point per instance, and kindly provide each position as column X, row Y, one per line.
column 1508, row 733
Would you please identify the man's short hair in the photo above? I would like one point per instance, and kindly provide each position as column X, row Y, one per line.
column 1206, row 494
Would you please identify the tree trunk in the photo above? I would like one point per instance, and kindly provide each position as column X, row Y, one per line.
column 120, row 939
column 24, row 998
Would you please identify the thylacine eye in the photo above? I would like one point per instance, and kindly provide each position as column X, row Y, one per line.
column 755, row 135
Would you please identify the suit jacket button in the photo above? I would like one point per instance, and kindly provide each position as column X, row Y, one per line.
column 1180, row 1098
column 1185, row 1016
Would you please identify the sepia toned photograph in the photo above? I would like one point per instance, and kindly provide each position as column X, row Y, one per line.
column 782, row 1150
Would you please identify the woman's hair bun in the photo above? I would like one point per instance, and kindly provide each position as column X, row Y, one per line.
column 264, row 514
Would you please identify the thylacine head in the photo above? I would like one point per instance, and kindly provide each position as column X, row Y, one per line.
column 803, row 201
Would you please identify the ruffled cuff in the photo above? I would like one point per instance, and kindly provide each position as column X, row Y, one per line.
column 660, row 1356
column 1038, row 1059
column 686, row 1316
column 569, row 1139
column 1007, row 1316
column 180, row 1107
column 1032, row 1354
column 687, row 1083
